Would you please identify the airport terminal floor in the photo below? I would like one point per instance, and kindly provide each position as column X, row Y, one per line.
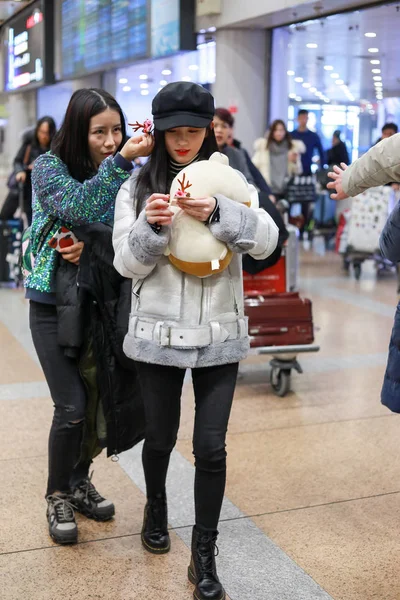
column 312, row 506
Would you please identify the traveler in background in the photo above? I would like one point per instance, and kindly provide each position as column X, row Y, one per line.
column 311, row 141
column 278, row 157
column 33, row 145
column 338, row 153
column 74, row 184
column 223, row 129
column 166, row 299
column 388, row 130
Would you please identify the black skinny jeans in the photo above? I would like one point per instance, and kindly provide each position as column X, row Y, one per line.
column 214, row 388
column 69, row 397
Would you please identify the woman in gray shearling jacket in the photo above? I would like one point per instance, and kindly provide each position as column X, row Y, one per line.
column 179, row 321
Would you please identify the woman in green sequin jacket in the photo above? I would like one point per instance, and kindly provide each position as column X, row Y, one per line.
column 74, row 184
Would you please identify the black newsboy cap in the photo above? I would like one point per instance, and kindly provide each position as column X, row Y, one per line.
column 182, row 104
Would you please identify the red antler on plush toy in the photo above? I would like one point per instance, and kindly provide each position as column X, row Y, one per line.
column 182, row 193
column 146, row 127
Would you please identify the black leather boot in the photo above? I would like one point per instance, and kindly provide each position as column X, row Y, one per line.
column 202, row 570
column 155, row 536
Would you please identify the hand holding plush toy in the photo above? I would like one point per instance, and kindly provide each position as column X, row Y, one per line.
column 193, row 249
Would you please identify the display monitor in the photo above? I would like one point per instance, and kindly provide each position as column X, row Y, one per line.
column 28, row 41
column 100, row 34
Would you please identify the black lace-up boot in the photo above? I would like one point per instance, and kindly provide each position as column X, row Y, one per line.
column 202, row 570
column 155, row 536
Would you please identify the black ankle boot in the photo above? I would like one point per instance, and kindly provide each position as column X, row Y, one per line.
column 155, row 536
column 202, row 570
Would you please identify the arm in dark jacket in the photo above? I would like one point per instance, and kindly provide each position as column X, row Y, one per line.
column 320, row 149
column 19, row 159
column 390, row 237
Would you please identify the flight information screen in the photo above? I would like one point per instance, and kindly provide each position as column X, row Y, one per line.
column 98, row 34
column 24, row 41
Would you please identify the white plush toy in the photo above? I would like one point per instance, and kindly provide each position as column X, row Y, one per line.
column 192, row 248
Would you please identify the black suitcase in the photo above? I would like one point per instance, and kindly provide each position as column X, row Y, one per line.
column 10, row 248
column 11, row 231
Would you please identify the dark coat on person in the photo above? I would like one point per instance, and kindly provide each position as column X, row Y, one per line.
column 93, row 305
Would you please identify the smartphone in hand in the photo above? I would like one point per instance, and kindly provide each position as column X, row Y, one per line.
column 63, row 238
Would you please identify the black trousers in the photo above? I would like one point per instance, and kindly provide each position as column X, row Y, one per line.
column 214, row 388
column 69, row 398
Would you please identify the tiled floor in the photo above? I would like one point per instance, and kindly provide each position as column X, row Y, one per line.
column 312, row 507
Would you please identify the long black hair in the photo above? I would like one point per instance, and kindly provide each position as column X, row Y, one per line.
column 154, row 175
column 71, row 143
column 52, row 130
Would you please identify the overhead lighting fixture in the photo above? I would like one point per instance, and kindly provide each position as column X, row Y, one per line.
column 299, row 79
column 144, row 86
column 186, row 78
column 299, row 98
column 193, row 67
column 339, row 81
column 290, row 73
column 166, row 72
column 327, row 100
column 123, row 80
column 313, row 90
column 370, row 35
column 145, row 92
column 373, row 50
column 375, row 62
column 376, row 71
column 306, row 85
column 378, row 84
column 163, row 82
column 143, row 77
column 293, row 96
column 328, row 68
column 126, row 88
column 212, row 29
column 377, row 78
column 335, row 75
column 312, row 45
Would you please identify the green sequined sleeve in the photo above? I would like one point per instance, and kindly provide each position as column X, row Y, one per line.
column 60, row 195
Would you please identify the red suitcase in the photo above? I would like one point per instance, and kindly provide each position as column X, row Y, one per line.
column 279, row 320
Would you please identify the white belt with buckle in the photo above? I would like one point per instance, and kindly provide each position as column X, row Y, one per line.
column 188, row 337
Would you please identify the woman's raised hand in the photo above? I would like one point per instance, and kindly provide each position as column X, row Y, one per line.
column 337, row 183
column 140, row 145
column 199, row 208
column 158, row 211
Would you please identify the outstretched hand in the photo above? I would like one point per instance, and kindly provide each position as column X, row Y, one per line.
column 337, row 183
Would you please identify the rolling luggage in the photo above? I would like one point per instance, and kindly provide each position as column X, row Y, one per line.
column 10, row 245
column 279, row 320
column 11, row 231
column 283, row 276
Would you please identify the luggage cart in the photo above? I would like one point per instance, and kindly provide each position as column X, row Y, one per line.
column 282, row 338
column 284, row 361
column 280, row 322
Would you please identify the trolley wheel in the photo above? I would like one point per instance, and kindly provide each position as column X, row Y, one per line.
column 357, row 271
column 280, row 381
